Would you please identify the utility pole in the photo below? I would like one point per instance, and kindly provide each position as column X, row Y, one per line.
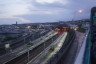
column 24, row 40
column 28, row 54
column 44, row 46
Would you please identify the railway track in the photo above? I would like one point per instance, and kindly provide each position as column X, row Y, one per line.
column 19, row 43
column 67, row 48
column 23, row 59
column 62, row 53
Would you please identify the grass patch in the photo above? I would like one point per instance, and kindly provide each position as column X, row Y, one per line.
column 51, row 49
column 29, row 44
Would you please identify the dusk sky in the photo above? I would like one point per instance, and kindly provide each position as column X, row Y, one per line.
column 33, row 11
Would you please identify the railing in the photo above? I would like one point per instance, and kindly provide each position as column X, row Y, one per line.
column 88, row 49
column 83, row 56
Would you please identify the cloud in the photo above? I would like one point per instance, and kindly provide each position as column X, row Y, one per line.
column 24, row 20
column 46, row 1
column 13, row 20
column 11, row 7
column 43, row 10
column 51, row 1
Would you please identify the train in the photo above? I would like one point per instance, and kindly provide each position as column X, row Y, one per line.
column 62, row 28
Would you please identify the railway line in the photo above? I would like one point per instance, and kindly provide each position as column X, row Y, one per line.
column 60, row 57
column 21, row 41
column 23, row 59
column 64, row 59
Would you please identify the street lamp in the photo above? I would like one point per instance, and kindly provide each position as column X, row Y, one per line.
column 28, row 49
column 28, row 54
column 32, row 37
column 24, row 40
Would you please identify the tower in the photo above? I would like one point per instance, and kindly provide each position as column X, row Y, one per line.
column 16, row 23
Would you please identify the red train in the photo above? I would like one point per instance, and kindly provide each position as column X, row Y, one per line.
column 62, row 28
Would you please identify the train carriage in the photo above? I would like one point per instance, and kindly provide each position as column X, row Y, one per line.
column 62, row 28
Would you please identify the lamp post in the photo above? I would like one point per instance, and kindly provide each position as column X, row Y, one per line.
column 32, row 37
column 44, row 45
column 28, row 49
column 24, row 40
column 28, row 54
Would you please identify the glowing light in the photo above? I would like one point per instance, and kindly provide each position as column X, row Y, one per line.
column 80, row 11
column 7, row 45
column 28, row 26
